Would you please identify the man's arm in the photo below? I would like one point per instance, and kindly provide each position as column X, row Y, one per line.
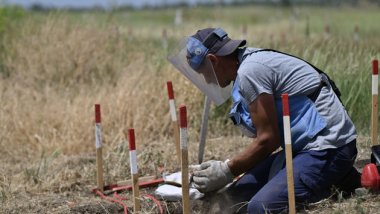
column 263, row 114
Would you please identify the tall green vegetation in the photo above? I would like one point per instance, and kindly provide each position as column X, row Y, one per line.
column 9, row 18
column 9, row 15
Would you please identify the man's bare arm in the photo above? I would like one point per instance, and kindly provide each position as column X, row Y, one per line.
column 263, row 114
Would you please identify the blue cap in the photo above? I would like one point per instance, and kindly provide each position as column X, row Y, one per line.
column 210, row 40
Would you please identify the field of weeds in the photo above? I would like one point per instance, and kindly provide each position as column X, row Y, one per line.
column 54, row 66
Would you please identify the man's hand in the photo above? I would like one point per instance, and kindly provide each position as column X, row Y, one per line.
column 213, row 175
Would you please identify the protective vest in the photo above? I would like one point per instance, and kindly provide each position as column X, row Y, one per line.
column 305, row 121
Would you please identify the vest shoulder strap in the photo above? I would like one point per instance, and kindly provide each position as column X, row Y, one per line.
column 331, row 82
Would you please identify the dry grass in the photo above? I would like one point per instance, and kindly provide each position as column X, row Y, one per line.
column 56, row 66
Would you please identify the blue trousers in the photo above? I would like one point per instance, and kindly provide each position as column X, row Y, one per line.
column 315, row 172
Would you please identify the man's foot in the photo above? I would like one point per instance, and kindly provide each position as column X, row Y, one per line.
column 350, row 182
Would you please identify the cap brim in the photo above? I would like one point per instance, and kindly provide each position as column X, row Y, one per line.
column 230, row 47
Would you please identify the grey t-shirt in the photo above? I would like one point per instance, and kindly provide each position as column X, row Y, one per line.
column 275, row 73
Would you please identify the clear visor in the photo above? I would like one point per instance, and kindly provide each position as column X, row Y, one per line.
column 190, row 59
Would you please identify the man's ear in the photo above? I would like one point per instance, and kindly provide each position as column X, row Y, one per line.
column 214, row 59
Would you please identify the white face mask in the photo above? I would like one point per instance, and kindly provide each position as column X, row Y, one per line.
column 190, row 59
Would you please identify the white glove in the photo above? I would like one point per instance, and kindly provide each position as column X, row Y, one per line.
column 213, row 175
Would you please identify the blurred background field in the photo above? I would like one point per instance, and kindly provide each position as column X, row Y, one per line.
column 56, row 64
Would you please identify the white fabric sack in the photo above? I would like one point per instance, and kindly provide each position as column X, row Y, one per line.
column 174, row 193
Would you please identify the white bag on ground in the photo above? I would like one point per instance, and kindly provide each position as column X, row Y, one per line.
column 174, row 193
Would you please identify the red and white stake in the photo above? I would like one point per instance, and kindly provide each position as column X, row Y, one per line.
column 375, row 92
column 184, row 160
column 173, row 115
column 134, row 170
column 288, row 154
column 98, row 145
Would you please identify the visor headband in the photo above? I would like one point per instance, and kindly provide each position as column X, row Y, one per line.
column 196, row 52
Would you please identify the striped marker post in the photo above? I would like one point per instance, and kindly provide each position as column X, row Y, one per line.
column 288, row 154
column 98, row 145
column 173, row 115
column 134, row 171
column 375, row 92
column 184, row 160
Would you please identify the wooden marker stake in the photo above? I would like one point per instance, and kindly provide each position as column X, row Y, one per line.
column 173, row 115
column 184, row 160
column 134, row 170
column 356, row 33
column 327, row 31
column 164, row 38
column 288, row 154
column 98, row 145
column 375, row 92
column 244, row 32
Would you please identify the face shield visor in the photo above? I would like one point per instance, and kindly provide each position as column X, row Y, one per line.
column 190, row 58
